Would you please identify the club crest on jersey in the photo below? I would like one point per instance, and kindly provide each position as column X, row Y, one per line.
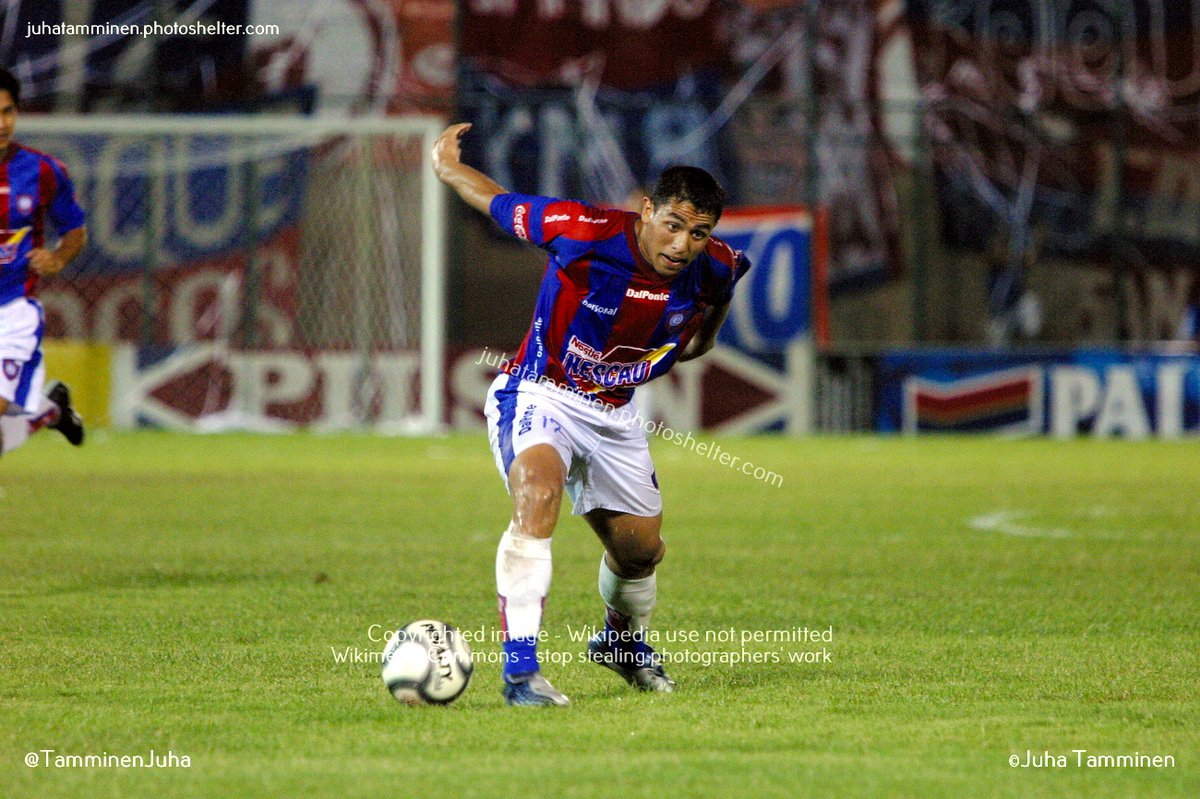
column 24, row 203
column 11, row 369
column 620, row 366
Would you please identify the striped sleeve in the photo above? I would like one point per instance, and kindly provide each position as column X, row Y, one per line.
column 542, row 220
column 65, row 213
column 728, row 266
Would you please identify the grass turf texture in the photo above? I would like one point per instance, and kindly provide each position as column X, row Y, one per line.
column 188, row 594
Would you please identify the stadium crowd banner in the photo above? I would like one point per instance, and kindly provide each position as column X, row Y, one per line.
column 826, row 119
column 1095, row 392
column 545, row 138
column 549, row 43
column 590, row 99
column 167, row 217
column 385, row 56
column 855, row 168
column 1076, row 119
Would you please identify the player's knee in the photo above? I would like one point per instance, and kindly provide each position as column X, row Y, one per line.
column 640, row 560
column 538, row 494
column 658, row 553
column 534, row 490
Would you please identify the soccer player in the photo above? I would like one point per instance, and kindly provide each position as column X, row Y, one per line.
column 33, row 187
column 624, row 297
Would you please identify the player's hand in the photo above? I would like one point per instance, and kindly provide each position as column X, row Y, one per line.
column 476, row 189
column 447, row 153
column 45, row 262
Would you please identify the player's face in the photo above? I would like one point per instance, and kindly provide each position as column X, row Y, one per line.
column 8, row 118
column 672, row 235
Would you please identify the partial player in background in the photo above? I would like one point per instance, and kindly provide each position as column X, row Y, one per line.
column 34, row 187
column 624, row 297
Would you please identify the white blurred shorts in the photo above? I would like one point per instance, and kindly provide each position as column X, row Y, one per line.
column 22, row 370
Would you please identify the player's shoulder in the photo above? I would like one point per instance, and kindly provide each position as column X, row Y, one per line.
column 719, row 250
column 23, row 153
column 580, row 221
column 725, row 266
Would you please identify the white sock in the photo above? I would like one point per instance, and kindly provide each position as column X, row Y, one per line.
column 632, row 600
column 13, row 432
column 523, row 570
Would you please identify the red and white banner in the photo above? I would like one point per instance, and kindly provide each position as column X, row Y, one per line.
column 208, row 386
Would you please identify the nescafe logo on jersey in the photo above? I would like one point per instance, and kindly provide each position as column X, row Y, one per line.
column 620, row 366
column 10, row 249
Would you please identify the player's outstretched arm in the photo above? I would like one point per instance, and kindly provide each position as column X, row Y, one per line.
column 51, row 262
column 476, row 188
column 706, row 336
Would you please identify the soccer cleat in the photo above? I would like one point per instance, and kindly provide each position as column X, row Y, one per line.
column 532, row 690
column 69, row 423
column 641, row 668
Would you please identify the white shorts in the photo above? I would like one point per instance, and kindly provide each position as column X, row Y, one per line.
column 22, row 371
column 605, row 451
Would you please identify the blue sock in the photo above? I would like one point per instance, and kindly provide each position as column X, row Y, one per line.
column 520, row 656
column 630, row 649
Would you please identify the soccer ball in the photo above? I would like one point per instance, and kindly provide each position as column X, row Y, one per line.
column 427, row 662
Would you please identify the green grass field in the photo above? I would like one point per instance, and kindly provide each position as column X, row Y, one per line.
column 986, row 598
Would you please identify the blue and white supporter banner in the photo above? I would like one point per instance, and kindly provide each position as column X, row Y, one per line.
column 773, row 304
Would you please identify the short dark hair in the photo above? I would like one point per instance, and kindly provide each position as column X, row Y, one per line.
column 10, row 84
column 689, row 184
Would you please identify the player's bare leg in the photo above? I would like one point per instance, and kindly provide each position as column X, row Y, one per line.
column 523, row 570
column 536, row 481
column 633, row 548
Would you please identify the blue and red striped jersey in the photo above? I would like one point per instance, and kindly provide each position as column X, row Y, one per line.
column 605, row 321
column 34, row 187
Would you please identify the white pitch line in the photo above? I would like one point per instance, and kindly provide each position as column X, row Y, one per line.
column 1005, row 521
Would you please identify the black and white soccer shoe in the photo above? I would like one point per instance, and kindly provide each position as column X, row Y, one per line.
column 641, row 666
column 69, row 423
